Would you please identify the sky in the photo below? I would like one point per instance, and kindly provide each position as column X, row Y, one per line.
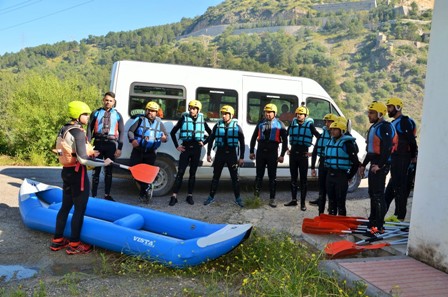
column 28, row 23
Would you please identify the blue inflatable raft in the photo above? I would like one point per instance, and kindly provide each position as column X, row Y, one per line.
column 153, row 235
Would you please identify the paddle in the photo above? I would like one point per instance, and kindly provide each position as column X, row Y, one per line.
column 349, row 248
column 321, row 227
column 142, row 172
column 325, row 227
column 354, row 220
column 316, row 222
column 343, row 247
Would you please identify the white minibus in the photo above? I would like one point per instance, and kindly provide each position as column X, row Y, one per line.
column 136, row 83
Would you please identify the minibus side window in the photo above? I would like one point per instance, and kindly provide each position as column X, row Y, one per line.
column 171, row 99
column 318, row 109
column 213, row 99
column 286, row 106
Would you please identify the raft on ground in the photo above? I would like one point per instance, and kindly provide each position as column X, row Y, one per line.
column 153, row 235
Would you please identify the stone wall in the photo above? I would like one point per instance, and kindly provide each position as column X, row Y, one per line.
column 347, row 6
column 216, row 30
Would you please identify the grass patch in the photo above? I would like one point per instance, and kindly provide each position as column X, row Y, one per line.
column 272, row 264
column 252, row 202
column 13, row 161
column 265, row 265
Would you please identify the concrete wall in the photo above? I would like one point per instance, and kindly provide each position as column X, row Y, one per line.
column 354, row 6
column 217, row 30
column 428, row 241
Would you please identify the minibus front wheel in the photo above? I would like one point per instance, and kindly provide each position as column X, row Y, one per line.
column 165, row 179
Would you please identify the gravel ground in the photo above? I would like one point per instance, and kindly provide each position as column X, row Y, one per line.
column 25, row 251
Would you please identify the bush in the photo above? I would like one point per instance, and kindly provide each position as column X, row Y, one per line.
column 348, row 86
column 37, row 111
column 422, row 60
column 361, row 87
column 389, row 87
column 380, row 95
column 354, row 102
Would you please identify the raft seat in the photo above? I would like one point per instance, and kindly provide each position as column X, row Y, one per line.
column 55, row 206
column 132, row 221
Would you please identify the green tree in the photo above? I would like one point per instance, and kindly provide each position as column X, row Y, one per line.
column 38, row 109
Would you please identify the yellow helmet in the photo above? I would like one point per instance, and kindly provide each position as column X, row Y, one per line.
column 271, row 107
column 397, row 102
column 152, row 106
column 302, row 110
column 195, row 103
column 331, row 117
column 342, row 119
column 77, row 108
column 339, row 124
column 228, row 109
column 379, row 107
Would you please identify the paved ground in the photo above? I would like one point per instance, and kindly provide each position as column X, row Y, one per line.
column 16, row 241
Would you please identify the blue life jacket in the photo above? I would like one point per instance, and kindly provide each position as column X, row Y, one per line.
column 99, row 128
column 274, row 127
column 322, row 141
column 230, row 131
column 148, row 134
column 335, row 155
column 190, row 130
column 301, row 133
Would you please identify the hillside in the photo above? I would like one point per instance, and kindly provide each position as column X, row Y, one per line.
column 358, row 56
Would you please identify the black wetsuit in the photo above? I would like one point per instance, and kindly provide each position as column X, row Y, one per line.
column 191, row 156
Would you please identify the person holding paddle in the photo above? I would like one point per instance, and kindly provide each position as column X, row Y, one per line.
column 341, row 161
column 146, row 134
column 381, row 140
column 75, row 153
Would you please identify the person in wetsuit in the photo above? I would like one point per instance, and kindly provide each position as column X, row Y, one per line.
column 192, row 128
column 74, row 153
column 268, row 133
column 228, row 138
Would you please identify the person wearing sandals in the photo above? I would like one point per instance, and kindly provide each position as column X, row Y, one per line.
column 227, row 136
column 75, row 153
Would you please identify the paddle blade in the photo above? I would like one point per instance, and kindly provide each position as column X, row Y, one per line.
column 346, row 248
column 314, row 226
column 144, row 173
column 349, row 221
column 340, row 248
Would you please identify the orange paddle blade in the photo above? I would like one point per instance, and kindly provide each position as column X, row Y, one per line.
column 335, row 249
column 338, row 223
column 345, row 248
column 321, row 227
column 144, row 172
column 344, row 219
